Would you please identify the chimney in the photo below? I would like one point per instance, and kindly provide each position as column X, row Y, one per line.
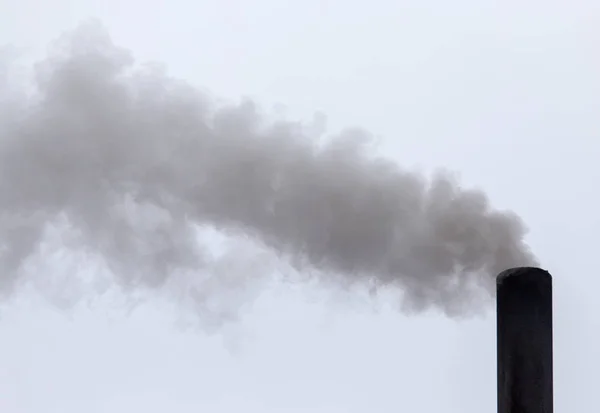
column 524, row 346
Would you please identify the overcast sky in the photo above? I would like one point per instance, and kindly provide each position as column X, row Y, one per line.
column 505, row 93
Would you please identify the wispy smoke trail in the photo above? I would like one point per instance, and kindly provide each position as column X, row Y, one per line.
column 102, row 139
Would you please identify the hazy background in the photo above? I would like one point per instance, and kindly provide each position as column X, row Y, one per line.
column 506, row 94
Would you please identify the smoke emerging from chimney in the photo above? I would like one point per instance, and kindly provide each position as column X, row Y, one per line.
column 133, row 161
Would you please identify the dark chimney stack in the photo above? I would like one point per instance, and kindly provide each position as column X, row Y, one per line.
column 524, row 334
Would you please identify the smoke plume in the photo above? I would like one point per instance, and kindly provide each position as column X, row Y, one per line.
column 134, row 161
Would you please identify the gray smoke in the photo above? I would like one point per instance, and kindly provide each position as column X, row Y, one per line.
column 133, row 160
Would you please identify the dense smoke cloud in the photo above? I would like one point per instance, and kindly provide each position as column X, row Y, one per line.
column 134, row 161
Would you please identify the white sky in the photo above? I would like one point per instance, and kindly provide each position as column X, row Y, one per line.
column 506, row 93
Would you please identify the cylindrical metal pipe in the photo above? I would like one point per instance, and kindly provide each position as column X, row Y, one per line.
column 524, row 340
